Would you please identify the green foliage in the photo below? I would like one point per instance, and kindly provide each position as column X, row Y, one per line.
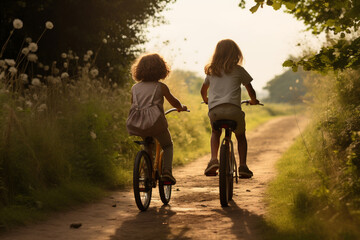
column 81, row 25
column 339, row 19
column 317, row 192
column 287, row 87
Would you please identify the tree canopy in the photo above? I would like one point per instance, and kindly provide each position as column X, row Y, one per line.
column 81, row 25
column 339, row 19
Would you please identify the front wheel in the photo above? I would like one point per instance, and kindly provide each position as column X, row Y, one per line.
column 142, row 180
column 165, row 192
column 224, row 183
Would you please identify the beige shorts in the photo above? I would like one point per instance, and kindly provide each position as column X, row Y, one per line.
column 229, row 112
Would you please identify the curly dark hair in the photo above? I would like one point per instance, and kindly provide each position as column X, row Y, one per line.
column 150, row 68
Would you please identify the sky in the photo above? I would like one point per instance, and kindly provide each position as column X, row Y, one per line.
column 266, row 38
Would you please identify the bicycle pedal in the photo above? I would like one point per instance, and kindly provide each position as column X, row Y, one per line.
column 212, row 174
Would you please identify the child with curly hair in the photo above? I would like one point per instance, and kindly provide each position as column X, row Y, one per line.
column 148, row 70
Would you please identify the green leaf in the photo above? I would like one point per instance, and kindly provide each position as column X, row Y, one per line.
column 254, row 8
column 342, row 35
column 269, row 2
column 290, row 6
column 288, row 63
column 276, row 5
column 294, row 68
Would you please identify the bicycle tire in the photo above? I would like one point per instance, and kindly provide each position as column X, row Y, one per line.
column 165, row 192
column 224, row 175
column 142, row 180
column 231, row 175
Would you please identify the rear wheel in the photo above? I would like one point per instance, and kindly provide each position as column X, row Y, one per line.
column 224, row 183
column 232, row 169
column 142, row 180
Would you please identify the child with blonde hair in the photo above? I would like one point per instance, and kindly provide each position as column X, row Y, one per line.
column 148, row 70
column 221, row 90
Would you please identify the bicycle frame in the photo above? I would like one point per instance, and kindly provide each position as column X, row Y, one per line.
column 227, row 141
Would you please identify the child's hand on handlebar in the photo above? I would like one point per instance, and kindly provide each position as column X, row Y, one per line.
column 183, row 108
column 254, row 102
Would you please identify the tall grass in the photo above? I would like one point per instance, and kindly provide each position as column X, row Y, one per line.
column 317, row 192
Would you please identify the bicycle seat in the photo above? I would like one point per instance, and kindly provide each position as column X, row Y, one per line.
column 148, row 140
column 224, row 123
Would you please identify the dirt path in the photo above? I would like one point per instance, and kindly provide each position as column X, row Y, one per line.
column 194, row 211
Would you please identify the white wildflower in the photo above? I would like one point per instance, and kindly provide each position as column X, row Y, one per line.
column 10, row 62
column 36, row 82
column 19, row 109
column 42, row 107
column 24, row 77
column 13, row 70
column 115, row 85
column 32, row 57
column 290, row 88
column 297, row 81
column 64, row 75
column 46, row 68
column 104, row 41
column 25, row 51
column 108, row 64
column 92, row 135
column 35, row 97
column 64, row 55
column 76, row 58
column 17, row 23
column 56, row 71
column 94, row 72
column 49, row 25
column 33, row 47
column 86, row 57
column 28, row 40
column 88, row 65
column 66, row 65
column 89, row 52
column 28, row 104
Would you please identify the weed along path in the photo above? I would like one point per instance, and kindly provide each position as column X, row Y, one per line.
column 194, row 211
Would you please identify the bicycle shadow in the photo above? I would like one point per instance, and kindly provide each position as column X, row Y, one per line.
column 246, row 225
column 153, row 224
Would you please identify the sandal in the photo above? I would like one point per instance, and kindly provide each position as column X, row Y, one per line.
column 244, row 172
column 212, row 167
column 168, row 178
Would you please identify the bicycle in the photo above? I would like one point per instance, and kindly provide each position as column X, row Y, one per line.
column 147, row 171
column 228, row 166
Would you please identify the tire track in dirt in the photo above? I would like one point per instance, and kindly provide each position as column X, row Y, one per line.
column 194, row 211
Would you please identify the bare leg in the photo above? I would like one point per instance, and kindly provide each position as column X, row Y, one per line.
column 242, row 148
column 214, row 143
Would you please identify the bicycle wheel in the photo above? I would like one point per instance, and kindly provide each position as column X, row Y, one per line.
column 224, row 175
column 142, row 180
column 165, row 192
column 232, row 168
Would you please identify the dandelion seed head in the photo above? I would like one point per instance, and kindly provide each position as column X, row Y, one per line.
column 49, row 25
column 66, row 65
column 94, row 72
column 297, row 81
column 46, row 68
column 17, row 23
column 24, row 77
column 64, row 75
column 13, row 70
column 32, row 57
column 25, row 51
column 19, row 109
column 56, row 71
column 28, row 103
column 42, row 107
column 290, row 88
column 90, row 52
column 115, row 85
column 28, row 40
column 33, row 47
column 104, row 41
column 64, row 55
column 86, row 57
column 76, row 58
column 35, row 82
column 92, row 135
column 10, row 62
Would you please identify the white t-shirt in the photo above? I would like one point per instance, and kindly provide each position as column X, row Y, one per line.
column 227, row 88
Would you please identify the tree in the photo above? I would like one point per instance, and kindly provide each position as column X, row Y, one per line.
column 339, row 19
column 287, row 87
column 80, row 25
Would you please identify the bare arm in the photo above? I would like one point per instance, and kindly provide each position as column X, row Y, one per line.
column 203, row 91
column 252, row 94
column 171, row 99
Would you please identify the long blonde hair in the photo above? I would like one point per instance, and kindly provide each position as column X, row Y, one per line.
column 226, row 56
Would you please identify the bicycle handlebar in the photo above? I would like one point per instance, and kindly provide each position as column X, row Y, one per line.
column 247, row 102
column 173, row 110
